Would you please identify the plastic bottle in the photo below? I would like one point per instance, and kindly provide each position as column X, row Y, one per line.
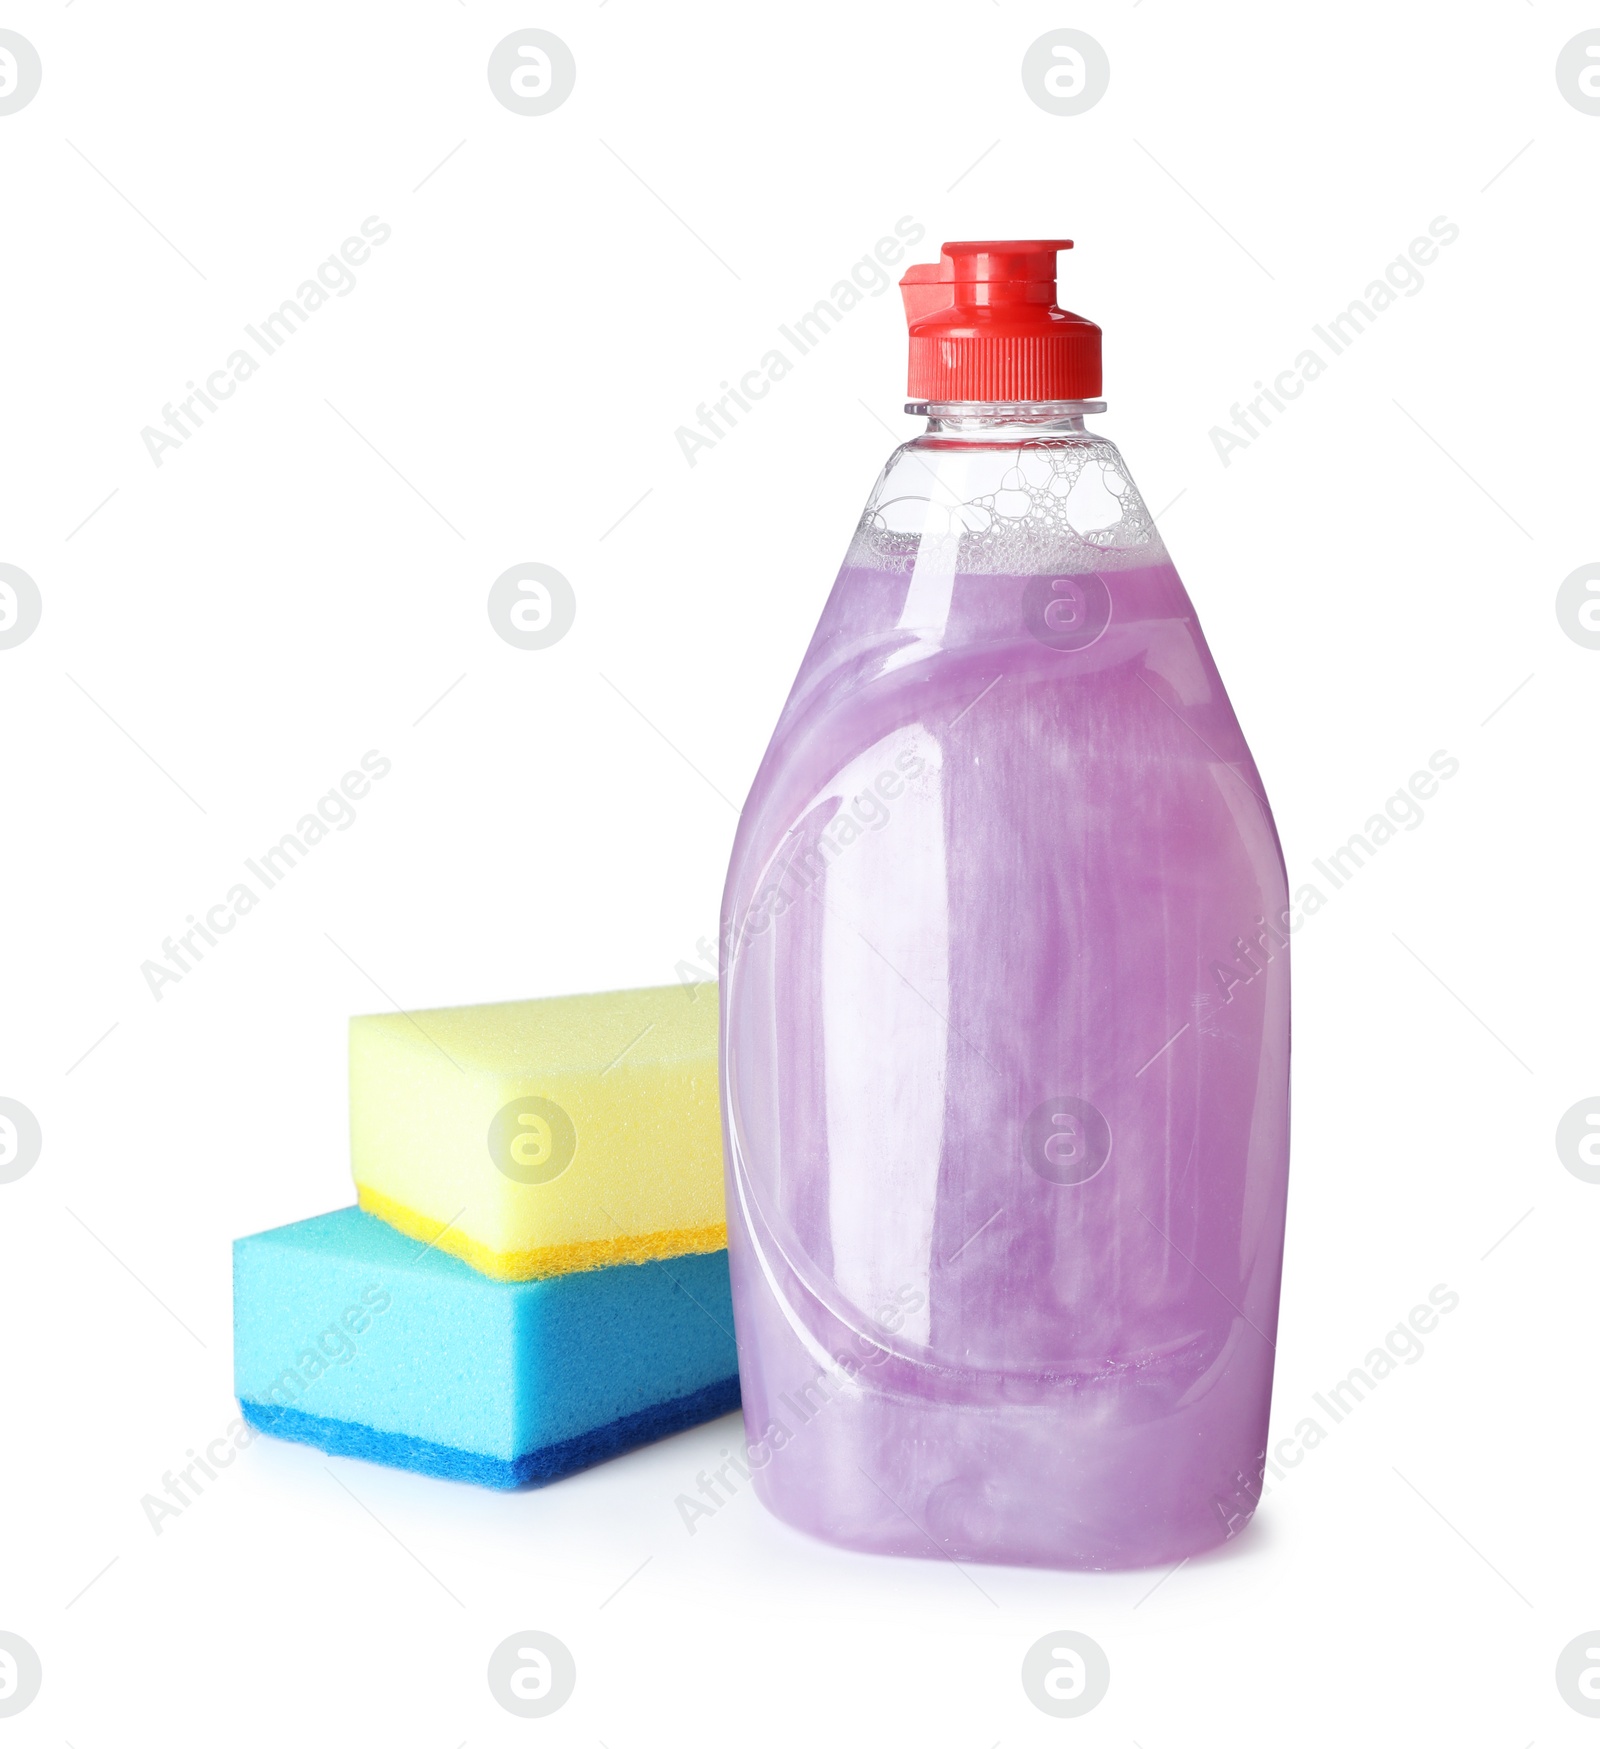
column 1005, row 1000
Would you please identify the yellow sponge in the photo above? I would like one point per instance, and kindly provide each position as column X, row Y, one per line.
column 538, row 1138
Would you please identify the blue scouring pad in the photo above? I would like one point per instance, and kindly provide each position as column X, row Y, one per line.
column 352, row 1337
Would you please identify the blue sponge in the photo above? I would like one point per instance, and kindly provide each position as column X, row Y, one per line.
column 351, row 1337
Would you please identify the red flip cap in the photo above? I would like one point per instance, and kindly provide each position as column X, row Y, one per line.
column 985, row 327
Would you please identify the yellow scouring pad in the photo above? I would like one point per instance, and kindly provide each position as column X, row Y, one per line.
column 537, row 1138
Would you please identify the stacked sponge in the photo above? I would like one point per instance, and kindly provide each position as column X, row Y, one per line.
column 536, row 1276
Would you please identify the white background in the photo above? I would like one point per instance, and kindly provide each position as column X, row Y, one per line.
column 229, row 632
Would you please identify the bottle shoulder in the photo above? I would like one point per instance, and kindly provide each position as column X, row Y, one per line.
column 1058, row 502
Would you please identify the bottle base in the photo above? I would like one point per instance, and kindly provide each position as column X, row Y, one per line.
column 897, row 1533
column 1127, row 1475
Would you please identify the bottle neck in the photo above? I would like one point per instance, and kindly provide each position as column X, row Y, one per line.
column 1005, row 422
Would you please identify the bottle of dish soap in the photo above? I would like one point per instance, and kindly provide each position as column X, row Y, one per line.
column 1005, row 1000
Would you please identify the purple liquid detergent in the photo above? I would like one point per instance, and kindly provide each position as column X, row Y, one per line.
column 1005, row 1011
